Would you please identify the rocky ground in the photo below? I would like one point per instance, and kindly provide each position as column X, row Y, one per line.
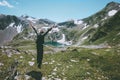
column 69, row 63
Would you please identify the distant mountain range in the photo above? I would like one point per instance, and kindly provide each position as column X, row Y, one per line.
column 101, row 27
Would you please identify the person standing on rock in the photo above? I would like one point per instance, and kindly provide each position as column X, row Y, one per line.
column 39, row 44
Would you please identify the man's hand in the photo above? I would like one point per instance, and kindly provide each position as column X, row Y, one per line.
column 54, row 26
column 31, row 25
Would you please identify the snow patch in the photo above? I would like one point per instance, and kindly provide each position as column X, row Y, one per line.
column 119, row 5
column 112, row 12
column 32, row 19
column 12, row 24
column 62, row 40
column 84, row 38
column 45, row 28
column 55, row 30
column 69, row 43
column 52, row 31
column 85, row 26
column 19, row 28
column 78, row 22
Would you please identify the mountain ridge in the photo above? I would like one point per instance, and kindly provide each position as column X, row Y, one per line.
column 79, row 31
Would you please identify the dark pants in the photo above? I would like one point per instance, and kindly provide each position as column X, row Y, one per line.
column 39, row 55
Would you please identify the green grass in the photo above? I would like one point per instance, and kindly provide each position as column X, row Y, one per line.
column 79, row 64
column 112, row 39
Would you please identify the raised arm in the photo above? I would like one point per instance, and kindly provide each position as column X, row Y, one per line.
column 47, row 31
column 33, row 28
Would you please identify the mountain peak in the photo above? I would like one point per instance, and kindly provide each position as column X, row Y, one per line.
column 111, row 4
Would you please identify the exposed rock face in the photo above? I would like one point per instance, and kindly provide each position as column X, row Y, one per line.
column 10, row 26
column 12, row 71
column 7, row 35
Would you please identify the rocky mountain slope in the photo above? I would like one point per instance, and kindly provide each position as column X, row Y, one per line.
column 104, row 23
column 105, row 33
column 10, row 26
column 82, row 31
column 87, row 30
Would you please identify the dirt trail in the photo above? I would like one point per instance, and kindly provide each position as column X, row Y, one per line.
column 95, row 46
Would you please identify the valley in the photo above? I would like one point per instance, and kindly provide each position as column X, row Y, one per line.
column 83, row 49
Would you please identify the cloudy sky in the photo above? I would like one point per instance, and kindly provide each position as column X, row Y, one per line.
column 56, row 10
